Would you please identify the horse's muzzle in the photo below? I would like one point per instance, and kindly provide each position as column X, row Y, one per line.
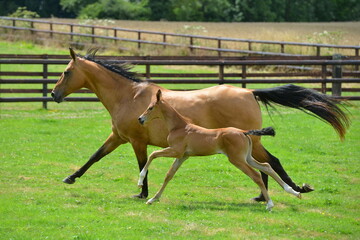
column 57, row 97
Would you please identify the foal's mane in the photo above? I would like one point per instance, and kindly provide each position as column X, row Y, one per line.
column 121, row 69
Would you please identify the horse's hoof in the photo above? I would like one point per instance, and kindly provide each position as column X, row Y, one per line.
column 307, row 188
column 140, row 196
column 299, row 196
column 259, row 199
column 68, row 180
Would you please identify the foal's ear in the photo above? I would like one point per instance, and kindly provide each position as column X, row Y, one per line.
column 158, row 95
column 72, row 54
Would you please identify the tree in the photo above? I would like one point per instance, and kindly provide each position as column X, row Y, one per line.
column 116, row 9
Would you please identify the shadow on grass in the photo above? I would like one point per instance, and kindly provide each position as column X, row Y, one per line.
column 222, row 206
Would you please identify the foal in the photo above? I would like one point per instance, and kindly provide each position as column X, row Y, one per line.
column 186, row 139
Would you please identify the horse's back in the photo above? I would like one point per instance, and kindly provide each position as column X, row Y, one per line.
column 218, row 107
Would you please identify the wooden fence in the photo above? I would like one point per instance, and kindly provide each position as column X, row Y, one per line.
column 115, row 34
column 330, row 75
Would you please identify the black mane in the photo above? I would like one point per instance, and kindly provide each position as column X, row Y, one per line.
column 121, row 69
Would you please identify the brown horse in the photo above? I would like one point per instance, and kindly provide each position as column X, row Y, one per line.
column 126, row 97
column 186, row 139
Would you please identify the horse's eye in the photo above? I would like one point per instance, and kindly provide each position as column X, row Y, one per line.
column 66, row 73
column 151, row 108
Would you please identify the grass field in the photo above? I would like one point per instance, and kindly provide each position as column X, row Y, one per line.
column 207, row 199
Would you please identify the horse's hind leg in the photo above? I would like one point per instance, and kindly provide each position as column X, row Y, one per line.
column 112, row 142
column 170, row 174
column 255, row 176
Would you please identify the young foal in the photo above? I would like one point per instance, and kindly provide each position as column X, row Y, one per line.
column 186, row 139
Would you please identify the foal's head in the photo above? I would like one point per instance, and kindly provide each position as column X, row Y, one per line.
column 71, row 80
column 153, row 110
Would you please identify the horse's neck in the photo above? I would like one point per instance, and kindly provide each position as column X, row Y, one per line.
column 109, row 87
column 173, row 119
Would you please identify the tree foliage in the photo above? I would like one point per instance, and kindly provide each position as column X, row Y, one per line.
column 194, row 10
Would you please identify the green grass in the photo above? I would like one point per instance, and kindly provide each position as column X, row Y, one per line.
column 207, row 199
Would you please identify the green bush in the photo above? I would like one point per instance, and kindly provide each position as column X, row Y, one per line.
column 22, row 12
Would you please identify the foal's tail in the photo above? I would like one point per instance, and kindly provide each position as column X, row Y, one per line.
column 265, row 131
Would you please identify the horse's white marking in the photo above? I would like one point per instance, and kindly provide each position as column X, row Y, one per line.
column 141, row 178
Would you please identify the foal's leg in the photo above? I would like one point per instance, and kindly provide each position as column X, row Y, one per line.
column 266, row 168
column 112, row 142
column 166, row 152
column 175, row 166
column 240, row 163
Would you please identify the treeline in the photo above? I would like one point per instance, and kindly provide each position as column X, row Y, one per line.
column 193, row 10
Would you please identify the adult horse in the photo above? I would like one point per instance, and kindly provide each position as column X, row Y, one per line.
column 125, row 97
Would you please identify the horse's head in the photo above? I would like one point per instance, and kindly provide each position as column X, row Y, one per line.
column 152, row 111
column 71, row 80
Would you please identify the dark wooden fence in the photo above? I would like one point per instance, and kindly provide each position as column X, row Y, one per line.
column 337, row 76
column 115, row 34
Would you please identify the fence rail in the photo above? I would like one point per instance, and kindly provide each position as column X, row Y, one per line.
column 139, row 40
column 335, row 76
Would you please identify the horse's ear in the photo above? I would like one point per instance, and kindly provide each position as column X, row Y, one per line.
column 158, row 95
column 72, row 54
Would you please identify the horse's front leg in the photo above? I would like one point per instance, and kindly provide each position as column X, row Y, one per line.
column 111, row 143
column 140, row 149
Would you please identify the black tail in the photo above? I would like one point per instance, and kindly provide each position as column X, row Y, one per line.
column 309, row 101
column 265, row 131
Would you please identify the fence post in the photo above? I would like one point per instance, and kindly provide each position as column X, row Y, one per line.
column 191, row 44
column 243, row 75
column 221, row 73
column 45, row 76
column 139, row 38
column 219, row 47
column 336, row 73
column 71, row 32
column 356, row 54
column 32, row 27
column 51, row 30
column 93, row 34
column 249, row 47
column 115, row 35
column 282, row 46
column 164, row 40
column 323, row 77
column 147, row 69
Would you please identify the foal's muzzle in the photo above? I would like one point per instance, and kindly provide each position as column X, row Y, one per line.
column 141, row 120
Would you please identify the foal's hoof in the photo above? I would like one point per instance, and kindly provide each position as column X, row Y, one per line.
column 306, row 188
column 140, row 196
column 68, row 180
column 151, row 201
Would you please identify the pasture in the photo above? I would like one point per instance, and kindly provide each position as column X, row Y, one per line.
column 207, row 199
